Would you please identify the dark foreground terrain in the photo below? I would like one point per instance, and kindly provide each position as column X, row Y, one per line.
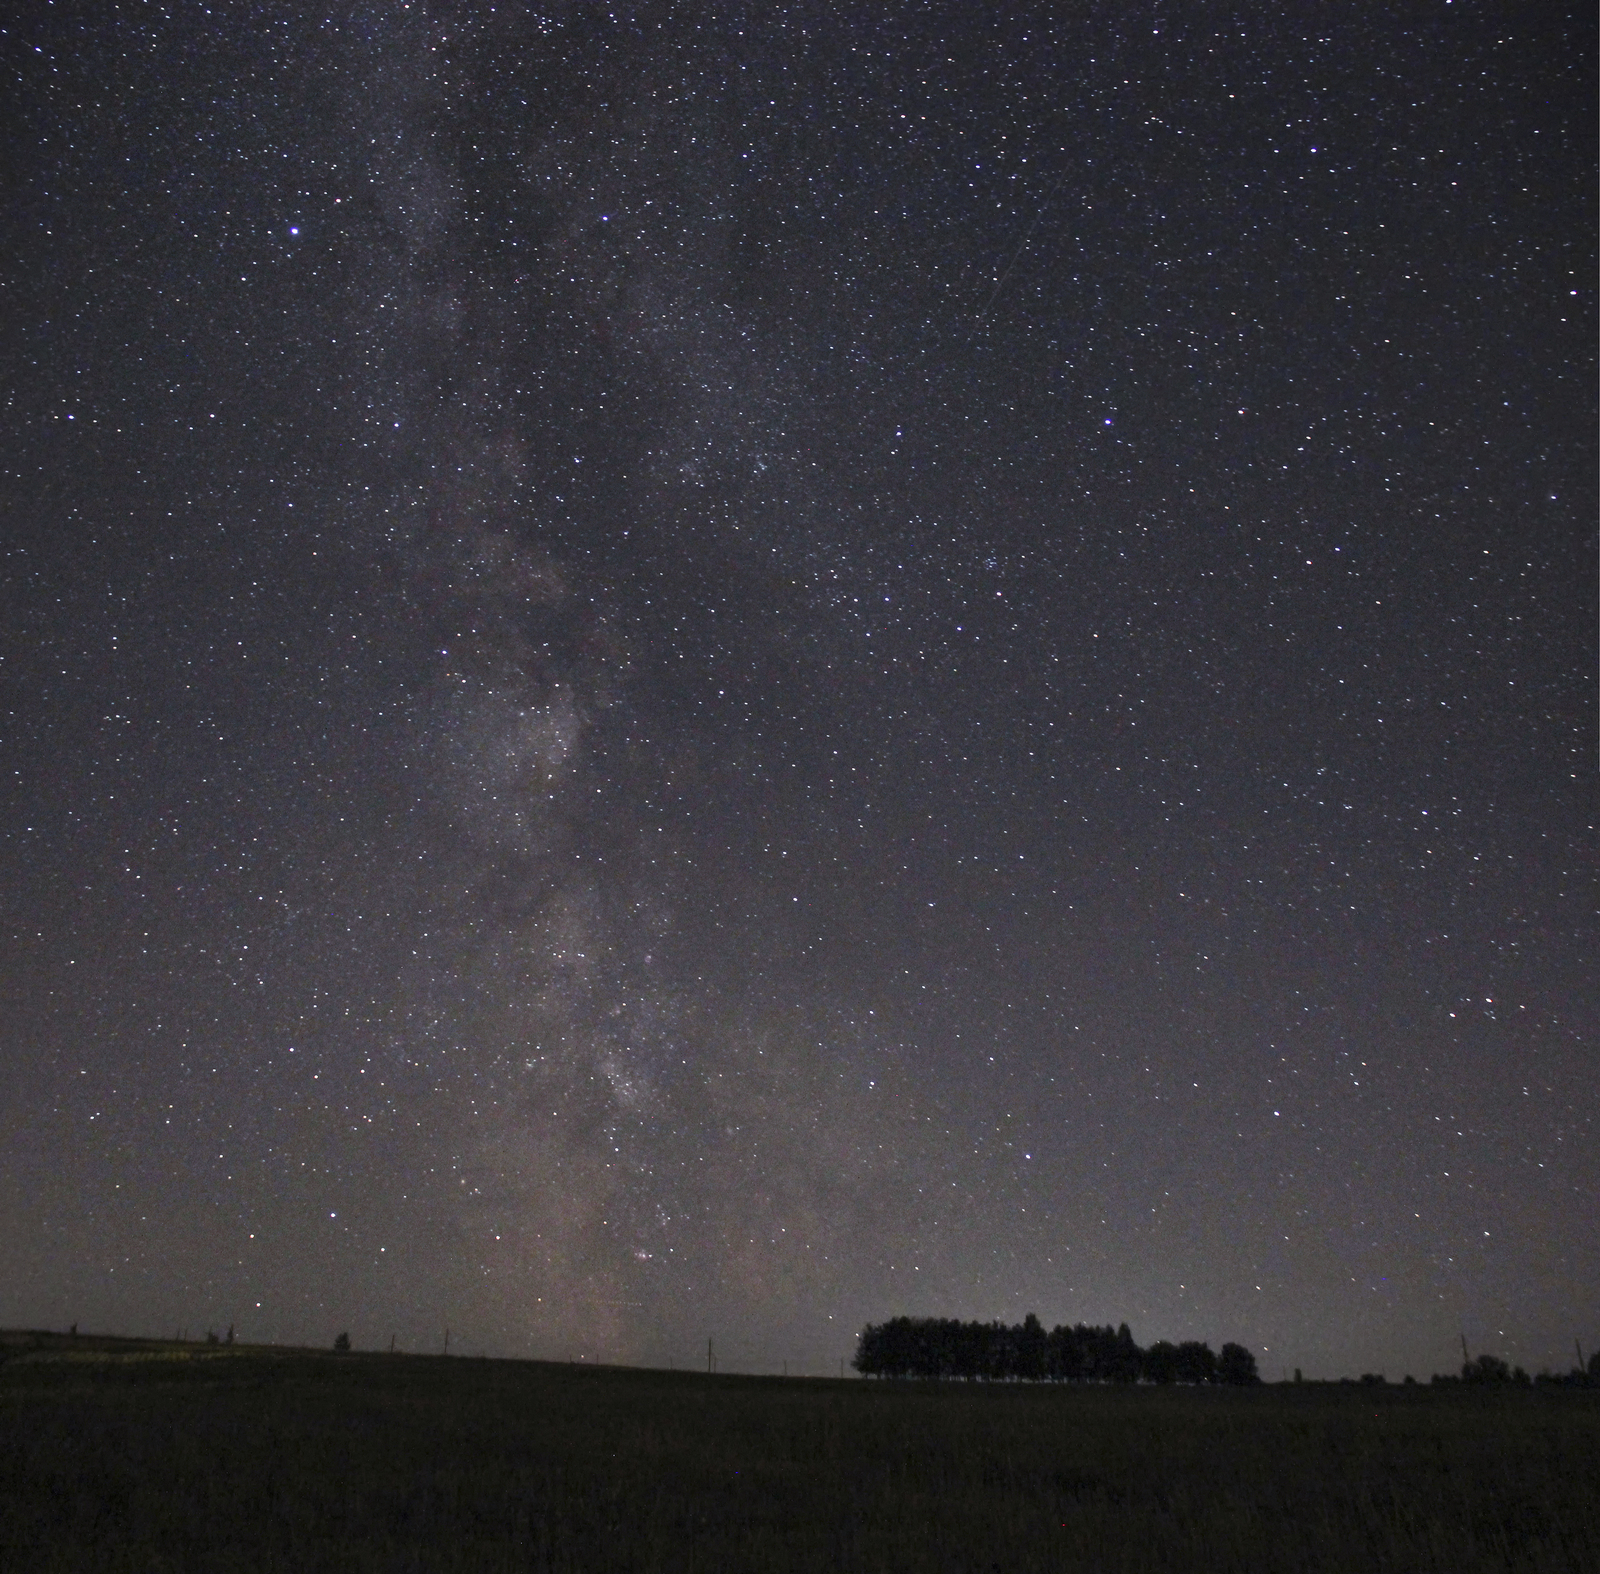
column 117, row 1455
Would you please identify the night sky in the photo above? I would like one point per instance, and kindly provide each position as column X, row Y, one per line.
column 682, row 672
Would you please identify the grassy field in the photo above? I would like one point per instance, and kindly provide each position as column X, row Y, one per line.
column 128, row 1455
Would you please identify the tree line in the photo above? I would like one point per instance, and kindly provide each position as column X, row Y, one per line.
column 1489, row 1371
column 1025, row 1352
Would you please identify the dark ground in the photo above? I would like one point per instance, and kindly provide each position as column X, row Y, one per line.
column 144, row 1455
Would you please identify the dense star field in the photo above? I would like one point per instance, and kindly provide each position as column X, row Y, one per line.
column 684, row 672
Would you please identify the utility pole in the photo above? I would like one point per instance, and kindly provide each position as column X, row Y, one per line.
column 391, row 1344
column 711, row 1359
column 1466, row 1360
column 1579, row 1348
column 447, row 1341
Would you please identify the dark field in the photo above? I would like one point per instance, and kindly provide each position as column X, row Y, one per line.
column 116, row 1455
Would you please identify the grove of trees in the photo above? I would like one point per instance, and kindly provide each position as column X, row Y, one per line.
column 996, row 1352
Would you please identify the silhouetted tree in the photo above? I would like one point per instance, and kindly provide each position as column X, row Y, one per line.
column 954, row 1349
column 1487, row 1369
column 1099, row 1352
column 1065, row 1355
column 1032, row 1347
column 1001, row 1352
column 875, row 1351
column 1237, row 1366
column 1161, row 1362
column 1197, row 1362
column 1127, row 1359
column 972, row 1354
column 342, row 1343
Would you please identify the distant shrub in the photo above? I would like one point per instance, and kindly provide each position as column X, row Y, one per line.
column 342, row 1344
